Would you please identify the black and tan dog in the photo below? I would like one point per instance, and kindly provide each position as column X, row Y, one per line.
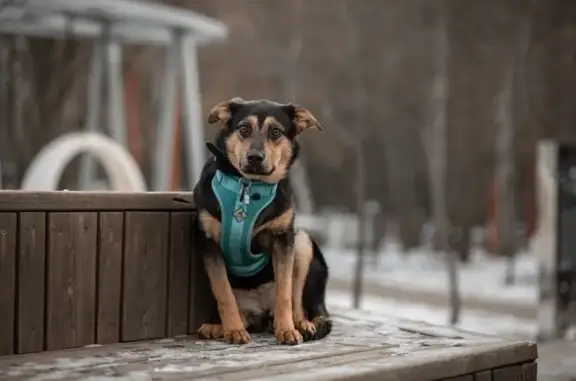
column 245, row 205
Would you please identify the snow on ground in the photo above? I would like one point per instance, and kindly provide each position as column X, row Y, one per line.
column 419, row 270
column 475, row 321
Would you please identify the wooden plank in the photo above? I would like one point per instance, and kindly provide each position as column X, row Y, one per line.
column 179, row 273
column 145, row 273
column 467, row 377
column 509, row 373
column 201, row 298
column 71, row 283
column 354, row 352
column 94, row 201
column 31, row 282
column 483, row 376
column 8, row 237
column 530, row 371
column 111, row 225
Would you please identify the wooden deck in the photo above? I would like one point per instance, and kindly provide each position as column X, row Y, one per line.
column 86, row 277
column 362, row 347
column 80, row 268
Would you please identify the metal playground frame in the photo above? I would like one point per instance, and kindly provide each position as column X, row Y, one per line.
column 112, row 24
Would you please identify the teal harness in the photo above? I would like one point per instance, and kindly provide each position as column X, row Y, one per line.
column 241, row 202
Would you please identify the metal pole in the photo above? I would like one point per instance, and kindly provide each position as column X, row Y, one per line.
column 546, row 241
column 165, row 132
column 192, row 108
column 87, row 165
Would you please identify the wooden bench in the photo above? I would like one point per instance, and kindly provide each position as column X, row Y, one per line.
column 80, row 269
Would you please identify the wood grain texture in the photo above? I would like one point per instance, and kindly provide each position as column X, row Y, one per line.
column 362, row 347
column 201, row 298
column 530, row 371
column 31, row 282
column 510, row 373
column 110, row 239
column 60, row 201
column 8, row 238
column 179, row 273
column 71, row 283
column 145, row 274
column 483, row 376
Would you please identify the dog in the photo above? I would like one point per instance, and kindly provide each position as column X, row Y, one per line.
column 264, row 273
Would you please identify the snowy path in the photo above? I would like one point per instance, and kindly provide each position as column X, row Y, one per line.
column 472, row 320
column 481, row 279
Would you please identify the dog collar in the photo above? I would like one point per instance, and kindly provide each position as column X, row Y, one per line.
column 241, row 203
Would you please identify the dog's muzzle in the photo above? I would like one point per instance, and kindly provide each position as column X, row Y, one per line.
column 255, row 163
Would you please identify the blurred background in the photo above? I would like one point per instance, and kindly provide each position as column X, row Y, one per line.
column 422, row 189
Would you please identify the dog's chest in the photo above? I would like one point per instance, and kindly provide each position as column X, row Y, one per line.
column 212, row 227
column 257, row 301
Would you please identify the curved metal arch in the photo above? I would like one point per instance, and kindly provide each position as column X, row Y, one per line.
column 46, row 169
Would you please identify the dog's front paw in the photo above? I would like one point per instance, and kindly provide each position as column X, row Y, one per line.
column 288, row 337
column 210, row 331
column 306, row 329
column 285, row 332
column 237, row 336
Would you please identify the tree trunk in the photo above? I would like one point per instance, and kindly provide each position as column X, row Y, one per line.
column 361, row 217
column 505, row 176
column 505, row 155
column 299, row 177
column 460, row 243
column 436, row 143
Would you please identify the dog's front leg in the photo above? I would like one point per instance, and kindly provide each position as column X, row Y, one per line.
column 233, row 327
column 283, row 262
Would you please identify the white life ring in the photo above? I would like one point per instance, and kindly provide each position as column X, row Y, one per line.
column 45, row 171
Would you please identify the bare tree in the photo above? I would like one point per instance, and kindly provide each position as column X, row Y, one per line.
column 505, row 152
column 358, row 100
column 435, row 141
column 291, row 63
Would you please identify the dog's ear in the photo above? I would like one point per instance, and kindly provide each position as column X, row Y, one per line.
column 302, row 118
column 223, row 111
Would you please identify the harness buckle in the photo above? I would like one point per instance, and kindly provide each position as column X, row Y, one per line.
column 245, row 191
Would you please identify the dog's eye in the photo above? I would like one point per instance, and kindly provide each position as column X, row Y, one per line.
column 275, row 133
column 245, row 130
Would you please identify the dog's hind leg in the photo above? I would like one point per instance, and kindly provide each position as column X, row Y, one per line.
column 315, row 294
column 303, row 253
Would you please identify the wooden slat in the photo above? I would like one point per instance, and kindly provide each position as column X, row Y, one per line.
column 179, row 273
column 483, row 376
column 31, row 282
column 111, row 226
column 145, row 275
column 201, row 298
column 71, row 283
column 8, row 237
column 60, row 201
column 509, row 373
column 530, row 371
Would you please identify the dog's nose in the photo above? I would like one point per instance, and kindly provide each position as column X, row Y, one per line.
column 255, row 157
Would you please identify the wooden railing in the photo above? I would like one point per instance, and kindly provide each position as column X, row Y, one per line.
column 81, row 268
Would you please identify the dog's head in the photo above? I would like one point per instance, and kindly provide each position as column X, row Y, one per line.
column 259, row 138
